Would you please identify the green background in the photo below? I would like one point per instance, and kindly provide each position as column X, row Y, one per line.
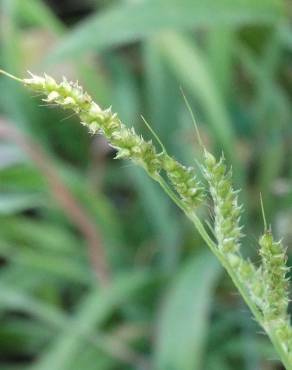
column 99, row 270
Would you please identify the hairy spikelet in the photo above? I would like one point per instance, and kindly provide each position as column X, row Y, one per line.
column 283, row 330
column 128, row 144
column 71, row 96
column 274, row 259
column 276, row 290
column 226, row 210
column 184, row 181
column 227, row 228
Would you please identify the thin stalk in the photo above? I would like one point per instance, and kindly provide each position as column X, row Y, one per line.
column 279, row 349
column 236, row 281
column 10, row 75
column 169, row 192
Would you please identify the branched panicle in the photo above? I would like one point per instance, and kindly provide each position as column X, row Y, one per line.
column 128, row 144
column 264, row 288
column 274, row 258
column 226, row 210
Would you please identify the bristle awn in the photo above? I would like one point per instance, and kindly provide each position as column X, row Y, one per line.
column 154, row 134
column 192, row 117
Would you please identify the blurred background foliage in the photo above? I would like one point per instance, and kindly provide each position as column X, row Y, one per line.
column 99, row 271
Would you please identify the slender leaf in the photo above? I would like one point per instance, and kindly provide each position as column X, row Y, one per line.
column 136, row 21
column 184, row 318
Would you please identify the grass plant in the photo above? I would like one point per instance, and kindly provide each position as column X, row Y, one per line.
column 264, row 287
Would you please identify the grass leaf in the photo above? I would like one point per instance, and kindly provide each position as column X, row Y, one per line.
column 136, row 21
column 184, row 318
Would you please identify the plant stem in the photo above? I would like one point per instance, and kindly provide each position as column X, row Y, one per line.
column 279, row 348
column 234, row 277
column 10, row 75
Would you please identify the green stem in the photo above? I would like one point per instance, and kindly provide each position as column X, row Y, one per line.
column 169, row 191
column 10, row 75
column 234, row 277
column 279, row 349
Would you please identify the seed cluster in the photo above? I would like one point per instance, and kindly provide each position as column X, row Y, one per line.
column 276, row 289
column 128, row 144
column 71, row 96
column 226, row 210
column 266, row 285
column 184, row 181
column 274, row 273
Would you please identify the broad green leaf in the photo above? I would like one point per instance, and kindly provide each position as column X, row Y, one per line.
column 190, row 66
column 41, row 235
column 96, row 306
column 38, row 13
column 47, row 263
column 220, row 47
column 162, row 95
column 184, row 318
column 11, row 203
column 90, row 355
column 23, row 279
column 20, row 178
column 127, row 23
column 16, row 300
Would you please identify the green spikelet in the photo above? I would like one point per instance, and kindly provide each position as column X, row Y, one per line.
column 184, row 180
column 274, row 259
column 275, row 309
column 128, row 144
column 71, row 96
column 226, row 210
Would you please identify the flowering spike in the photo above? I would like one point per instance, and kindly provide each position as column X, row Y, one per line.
column 226, row 209
column 184, row 180
column 128, row 144
column 274, row 259
column 265, row 289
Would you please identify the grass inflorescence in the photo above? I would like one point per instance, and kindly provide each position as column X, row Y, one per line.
column 264, row 288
